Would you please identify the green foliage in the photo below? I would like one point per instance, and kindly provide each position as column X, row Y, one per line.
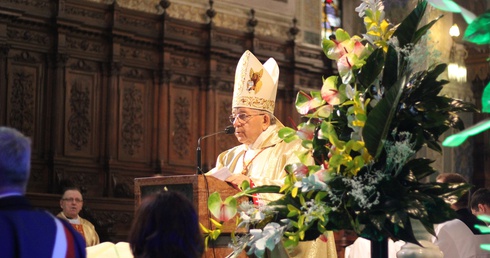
column 407, row 30
column 477, row 32
column 369, row 73
column 379, row 120
column 363, row 129
column 485, row 99
column 369, row 185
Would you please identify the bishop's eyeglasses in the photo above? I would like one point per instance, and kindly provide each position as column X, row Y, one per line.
column 242, row 117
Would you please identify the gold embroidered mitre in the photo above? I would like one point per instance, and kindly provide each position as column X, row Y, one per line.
column 255, row 83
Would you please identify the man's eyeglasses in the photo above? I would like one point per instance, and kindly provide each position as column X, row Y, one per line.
column 242, row 118
column 72, row 200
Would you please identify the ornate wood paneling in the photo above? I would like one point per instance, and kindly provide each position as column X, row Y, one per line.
column 224, row 41
column 25, row 75
column 83, row 46
column 135, row 116
column 39, row 180
column 183, row 103
column 83, row 13
column 89, row 179
column 82, row 109
column 185, row 32
column 109, row 94
column 222, row 142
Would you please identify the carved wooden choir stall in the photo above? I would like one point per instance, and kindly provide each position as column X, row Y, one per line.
column 110, row 94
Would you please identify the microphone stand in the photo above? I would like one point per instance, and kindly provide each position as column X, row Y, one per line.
column 228, row 130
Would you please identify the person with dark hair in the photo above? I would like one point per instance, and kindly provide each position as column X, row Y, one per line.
column 26, row 232
column 71, row 204
column 166, row 225
column 480, row 202
column 461, row 205
column 460, row 238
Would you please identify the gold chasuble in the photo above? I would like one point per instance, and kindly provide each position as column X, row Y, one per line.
column 263, row 162
column 84, row 227
column 79, row 229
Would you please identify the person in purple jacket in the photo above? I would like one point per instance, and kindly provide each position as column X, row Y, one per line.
column 26, row 232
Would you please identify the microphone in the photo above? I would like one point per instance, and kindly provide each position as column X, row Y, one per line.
column 228, row 130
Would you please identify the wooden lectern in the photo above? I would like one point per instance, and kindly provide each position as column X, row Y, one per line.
column 197, row 188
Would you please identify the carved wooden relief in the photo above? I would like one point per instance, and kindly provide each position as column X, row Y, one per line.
column 226, row 68
column 24, row 77
column 21, row 115
column 86, row 46
column 224, row 109
column 140, row 24
column 38, row 179
column 78, row 122
column 81, row 105
column 193, row 35
column 37, row 176
column 135, row 54
column 224, row 104
column 113, row 225
column 223, row 86
column 133, row 114
column 123, row 184
column 182, row 134
column 84, row 13
column 28, row 36
column 190, row 64
column 78, row 11
column 86, row 179
column 235, row 42
column 132, row 120
column 272, row 49
column 39, row 5
column 122, row 181
column 183, row 121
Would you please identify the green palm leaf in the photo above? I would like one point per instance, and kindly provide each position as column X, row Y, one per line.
column 390, row 73
column 374, row 66
column 407, row 30
column 379, row 119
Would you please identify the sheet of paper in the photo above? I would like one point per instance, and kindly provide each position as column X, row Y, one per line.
column 222, row 173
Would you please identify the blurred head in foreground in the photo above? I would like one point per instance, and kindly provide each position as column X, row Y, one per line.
column 166, row 225
column 15, row 161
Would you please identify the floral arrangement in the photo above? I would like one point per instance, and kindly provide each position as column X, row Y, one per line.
column 363, row 129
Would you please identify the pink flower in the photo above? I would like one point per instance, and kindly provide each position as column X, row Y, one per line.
column 306, row 103
column 331, row 96
column 301, row 171
column 224, row 213
column 347, row 51
column 349, row 45
column 306, row 132
column 223, row 210
column 337, row 51
column 329, row 91
column 321, row 175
